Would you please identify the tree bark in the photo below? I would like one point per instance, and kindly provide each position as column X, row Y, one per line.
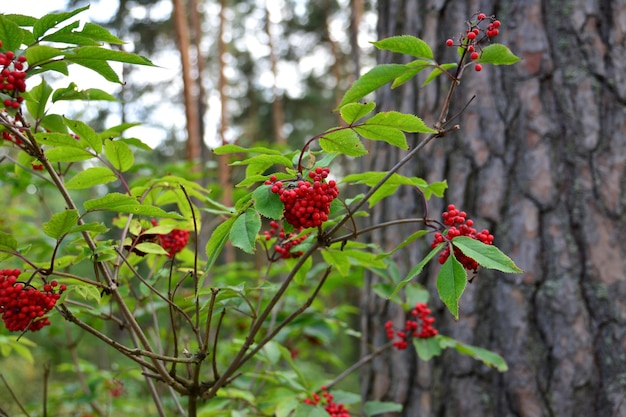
column 540, row 161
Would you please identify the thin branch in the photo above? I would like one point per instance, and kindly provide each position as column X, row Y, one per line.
column 17, row 401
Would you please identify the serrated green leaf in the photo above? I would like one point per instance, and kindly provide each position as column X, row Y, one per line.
column 67, row 34
column 230, row 148
column 427, row 348
column 121, row 203
column 100, row 34
column 488, row 357
column 51, row 20
column 373, row 408
column 402, row 121
column 487, row 256
column 437, row 71
column 60, row 224
column 372, row 178
column 497, row 54
column 96, row 228
column 344, row 141
column 88, row 292
column 245, row 230
column 415, row 67
column 67, row 154
column 119, row 155
column 99, row 66
column 37, row 55
column 37, row 99
column 149, row 247
column 57, row 139
column 260, row 163
column 11, row 34
column 54, row 123
column 218, row 239
column 90, row 177
column 267, row 203
column 387, row 134
column 405, row 44
column 71, row 92
column 8, row 244
column 352, row 112
column 338, row 259
column 85, row 133
column 372, row 80
column 417, row 269
column 451, row 282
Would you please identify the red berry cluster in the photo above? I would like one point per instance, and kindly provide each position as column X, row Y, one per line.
column 327, row 400
column 460, row 225
column 22, row 306
column 285, row 242
column 481, row 28
column 307, row 203
column 12, row 78
column 174, row 241
column 419, row 325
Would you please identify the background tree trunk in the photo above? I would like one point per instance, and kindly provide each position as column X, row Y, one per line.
column 540, row 161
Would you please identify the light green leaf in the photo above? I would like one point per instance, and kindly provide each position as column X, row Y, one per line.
column 417, row 269
column 119, row 155
column 343, row 141
column 267, row 203
column 57, row 139
column 245, row 230
column 260, row 163
column 100, row 34
column 67, row 154
column 373, row 408
column 372, row 80
column 352, row 112
column 11, row 34
column 85, row 133
column 51, row 20
column 37, row 99
column 60, row 224
column 7, row 244
column 218, row 239
column 338, row 259
column 87, row 292
column 149, row 247
column 90, row 177
column 71, row 92
column 437, row 71
column 230, row 148
column 406, row 44
column 23, row 351
column 387, row 134
column 451, row 282
column 488, row 357
column 390, row 186
column 402, row 121
column 487, row 256
column 426, row 348
column 497, row 54
column 121, row 203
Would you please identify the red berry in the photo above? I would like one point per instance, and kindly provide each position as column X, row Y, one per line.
column 471, row 36
column 481, row 16
column 449, row 42
column 474, row 55
column 478, row 67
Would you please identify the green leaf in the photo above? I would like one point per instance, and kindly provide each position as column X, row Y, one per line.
column 99, row 66
column 121, row 203
column 149, row 247
column 51, row 20
column 37, row 99
column 267, row 203
column 54, row 123
column 352, row 112
column 406, row 44
column 228, row 149
column 245, row 230
column 417, row 269
column 338, row 259
column 60, row 224
column 390, row 135
column 415, row 68
column 488, row 357
column 71, row 92
column 97, row 228
column 69, row 35
column 437, row 71
column 7, row 244
column 260, row 163
column 371, row 81
column 451, row 282
column 85, row 133
column 11, row 34
column 390, row 186
column 37, row 55
column 67, row 154
column 119, row 155
column 426, row 348
column 373, row 408
column 90, row 177
column 100, row 34
column 497, row 54
column 487, row 256
column 343, row 141
column 218, row 239
column 402, row 121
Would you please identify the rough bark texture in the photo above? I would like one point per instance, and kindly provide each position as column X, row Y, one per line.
column 540, row 161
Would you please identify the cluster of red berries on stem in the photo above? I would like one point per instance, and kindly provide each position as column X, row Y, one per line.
column 23, row 307
column 284, row 241
column 419, row 325
column 480, row 28
column 307, row 203
column 174, row 241
column 327, row 400
column 12, row 78
column 460, row 225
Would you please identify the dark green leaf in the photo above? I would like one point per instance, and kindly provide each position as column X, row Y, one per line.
column 245, row 230
column 260, row 163
column 218, row 239
column 100, row 34
column 451, row 282
column 11, row 34
column 90, row 177
column 406, row 44
column 497, row 54
column 372, row 80
column 60, row 224
column 267, row 203
column 37, row 99
column 343, row 141
column 68, row 35
column 488, row 256
column 101, row 67
column 121, row 203
column 119, row 155
column 39, row 54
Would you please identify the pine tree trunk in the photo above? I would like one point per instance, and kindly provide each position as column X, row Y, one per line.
column 540, row 161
